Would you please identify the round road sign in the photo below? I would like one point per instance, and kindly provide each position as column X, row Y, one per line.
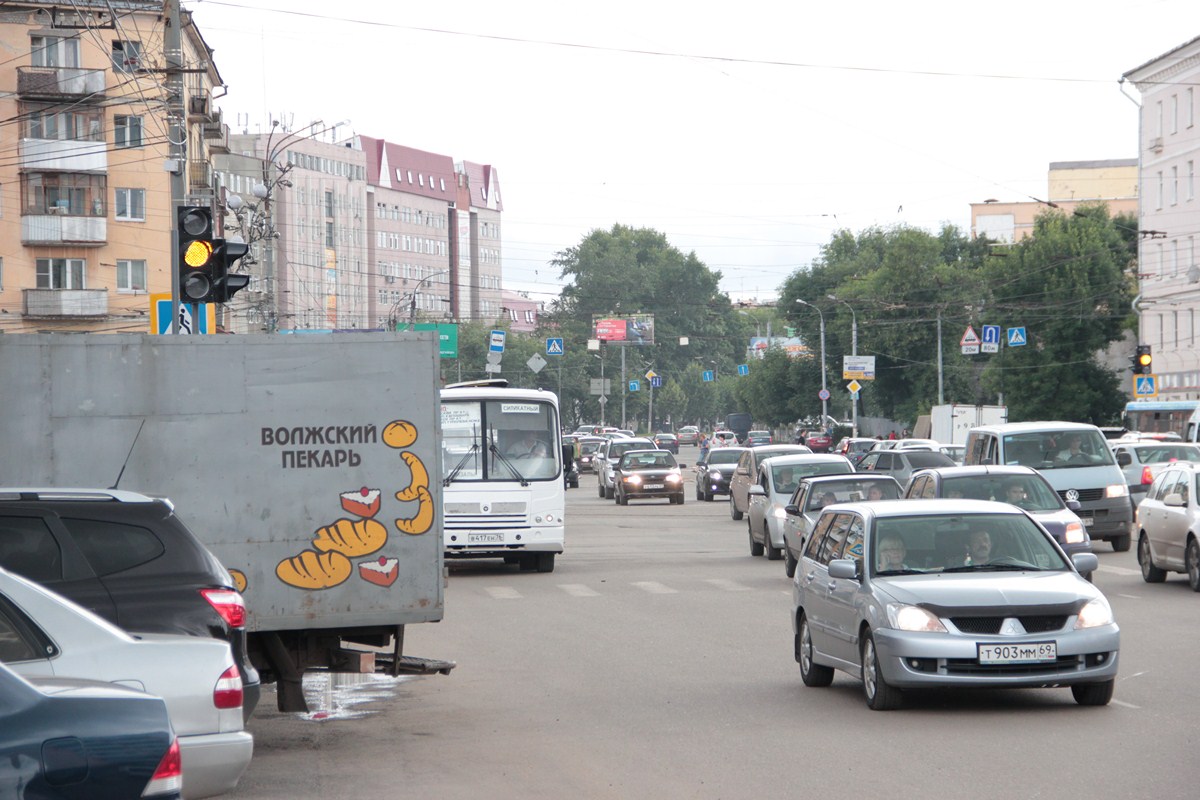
column 823, row 394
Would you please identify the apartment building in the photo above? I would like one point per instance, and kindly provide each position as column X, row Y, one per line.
column 85, row 199
column 1069, row 185
column 1168, row 152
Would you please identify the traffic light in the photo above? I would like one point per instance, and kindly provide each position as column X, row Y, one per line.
column 197, row 266
column 1143, row 361
column 228, row 283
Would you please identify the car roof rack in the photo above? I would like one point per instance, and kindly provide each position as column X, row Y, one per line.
column 41, row 493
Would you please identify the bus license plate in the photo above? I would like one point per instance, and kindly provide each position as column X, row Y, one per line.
column 485, row 538
column 1024, row 653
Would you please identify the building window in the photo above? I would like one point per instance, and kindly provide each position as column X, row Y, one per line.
column 63, row 193
column 126, row 56
column 60, row 273
column 1174, row 185
column 51, row 122
column 1189, row 113
column 127, row 131
column 329, row 204
column 1190, row 187
column 329, row 234
column 1174, row 113
column 1160, row 190
column 131, row 275
column 1, row 274
column 131, row 205
column 54, row 51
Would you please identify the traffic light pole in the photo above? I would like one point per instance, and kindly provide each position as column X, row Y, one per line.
column 177, row 140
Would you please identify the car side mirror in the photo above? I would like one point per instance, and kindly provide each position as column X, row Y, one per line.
column 682, row 465
column 1085, row 562
column 1174, row 499
column 792, row 509
column 701, row 464
column 756, row 491
column 843, row 568
column 1124, row 459
column 1074, row 505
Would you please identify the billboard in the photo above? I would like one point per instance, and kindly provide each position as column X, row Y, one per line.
column 632, row 329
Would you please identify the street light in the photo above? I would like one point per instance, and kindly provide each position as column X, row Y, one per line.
column 824, row 388
column 853, row 352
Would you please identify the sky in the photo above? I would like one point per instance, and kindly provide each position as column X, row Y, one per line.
column 749, row 133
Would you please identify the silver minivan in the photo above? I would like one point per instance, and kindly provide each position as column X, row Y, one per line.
column 1075, row 459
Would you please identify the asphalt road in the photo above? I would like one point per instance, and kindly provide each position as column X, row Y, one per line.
column 656, row 661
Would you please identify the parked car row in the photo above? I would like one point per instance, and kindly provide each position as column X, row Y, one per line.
column 79, row 569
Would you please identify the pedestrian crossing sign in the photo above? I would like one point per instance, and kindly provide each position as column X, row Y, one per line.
column 1145, row 386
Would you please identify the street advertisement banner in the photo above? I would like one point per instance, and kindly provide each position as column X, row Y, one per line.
column 636, row 329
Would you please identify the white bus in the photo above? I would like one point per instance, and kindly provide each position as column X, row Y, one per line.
column 503, row 492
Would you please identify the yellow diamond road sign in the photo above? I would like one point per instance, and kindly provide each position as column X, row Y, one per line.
column 854, row 386
column 651, row 374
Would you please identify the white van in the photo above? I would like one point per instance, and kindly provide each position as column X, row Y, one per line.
column 1076, row 460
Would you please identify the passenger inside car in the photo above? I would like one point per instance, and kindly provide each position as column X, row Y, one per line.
column 891, row 554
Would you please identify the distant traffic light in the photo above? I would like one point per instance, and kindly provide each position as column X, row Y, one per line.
column 196, row 263
column 228, row 283
column 1143, row 360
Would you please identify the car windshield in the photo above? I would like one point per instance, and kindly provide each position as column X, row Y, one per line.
column 1057, row 449
column 786, row 476
column 1162, row 454
column 618, row 449
column 851, row 491
column 901, row 545
column 728, row 456
column 590, row 447
column 656, row 460
column 1030, row 492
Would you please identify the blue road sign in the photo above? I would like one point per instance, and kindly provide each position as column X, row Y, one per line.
column 1145, row 386
column 554, row 347
column 192, row 318
column 708, row 375
column 1016, row 337
column 656, row 382
column 635, row 385
column 743, row 369
column 496, row 345
column 991, row 334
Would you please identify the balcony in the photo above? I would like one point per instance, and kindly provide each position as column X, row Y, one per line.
column 61, row 229
column 71, row 303
column 63, row 155
column 56, row 83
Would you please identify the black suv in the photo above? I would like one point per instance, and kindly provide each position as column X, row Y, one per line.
column 129, row 559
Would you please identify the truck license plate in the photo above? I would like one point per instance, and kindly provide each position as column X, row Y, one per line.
column 1024, row 653
column 485, row 538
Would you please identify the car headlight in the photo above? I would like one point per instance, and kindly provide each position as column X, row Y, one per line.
column 634, row 479
column 714, row 475
column 1116, row 490
column 674, row 478
column 1074, row 533
column 1094, row 615
column 913, row 618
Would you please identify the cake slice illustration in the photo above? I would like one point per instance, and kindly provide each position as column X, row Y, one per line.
column 364, row 502
column 380, row 571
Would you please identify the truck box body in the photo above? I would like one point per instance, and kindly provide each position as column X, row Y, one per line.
column 950, row 423
column 285, row 455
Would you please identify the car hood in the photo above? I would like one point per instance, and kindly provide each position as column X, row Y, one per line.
column 647, row 474
column 724, row 469
column 988, row 590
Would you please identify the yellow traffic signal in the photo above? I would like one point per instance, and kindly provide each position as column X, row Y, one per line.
column 197, row 253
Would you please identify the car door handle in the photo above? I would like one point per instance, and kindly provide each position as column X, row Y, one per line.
column 829, row 587
column 810, row 577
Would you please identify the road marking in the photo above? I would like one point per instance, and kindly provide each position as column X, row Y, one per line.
column 727, row 585
column 1123, row 704
column 1131, row 596
column 653, row 587
column 1119, row 570
column 578, row 590
column 503, row 593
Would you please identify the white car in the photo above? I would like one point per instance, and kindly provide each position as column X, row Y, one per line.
column 45, row 635
column 767, row 499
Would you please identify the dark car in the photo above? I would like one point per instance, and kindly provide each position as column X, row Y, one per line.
column 854, row 448
column 901, row 464
column 666, row 441
column 570, row 467
column 648, row 473
column 67, row 738
column 128, row 558
column 713, row 474
column 755, row 438
column 587, row 446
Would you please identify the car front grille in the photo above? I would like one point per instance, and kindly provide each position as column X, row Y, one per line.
column 1037, row 623
column 1085, row 495
column 970, row 666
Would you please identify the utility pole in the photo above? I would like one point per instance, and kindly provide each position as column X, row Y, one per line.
column 177, row 141
column 624, row 388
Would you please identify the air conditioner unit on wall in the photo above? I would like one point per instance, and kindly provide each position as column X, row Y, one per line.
column 1156, row 144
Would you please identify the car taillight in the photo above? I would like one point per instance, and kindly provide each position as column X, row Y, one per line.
column 168, row 778
column 228, row 691
column 229, row 604
column 1147, row 476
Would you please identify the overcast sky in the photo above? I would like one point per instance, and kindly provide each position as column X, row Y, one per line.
column 749, row 132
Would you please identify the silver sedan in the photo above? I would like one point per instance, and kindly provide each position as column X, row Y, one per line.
column 45, row 635
column 948, row 593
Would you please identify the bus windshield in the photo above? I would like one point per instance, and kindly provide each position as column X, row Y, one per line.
column 499, row 440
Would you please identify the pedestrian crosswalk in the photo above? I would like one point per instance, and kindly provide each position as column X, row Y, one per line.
column 648, row 587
